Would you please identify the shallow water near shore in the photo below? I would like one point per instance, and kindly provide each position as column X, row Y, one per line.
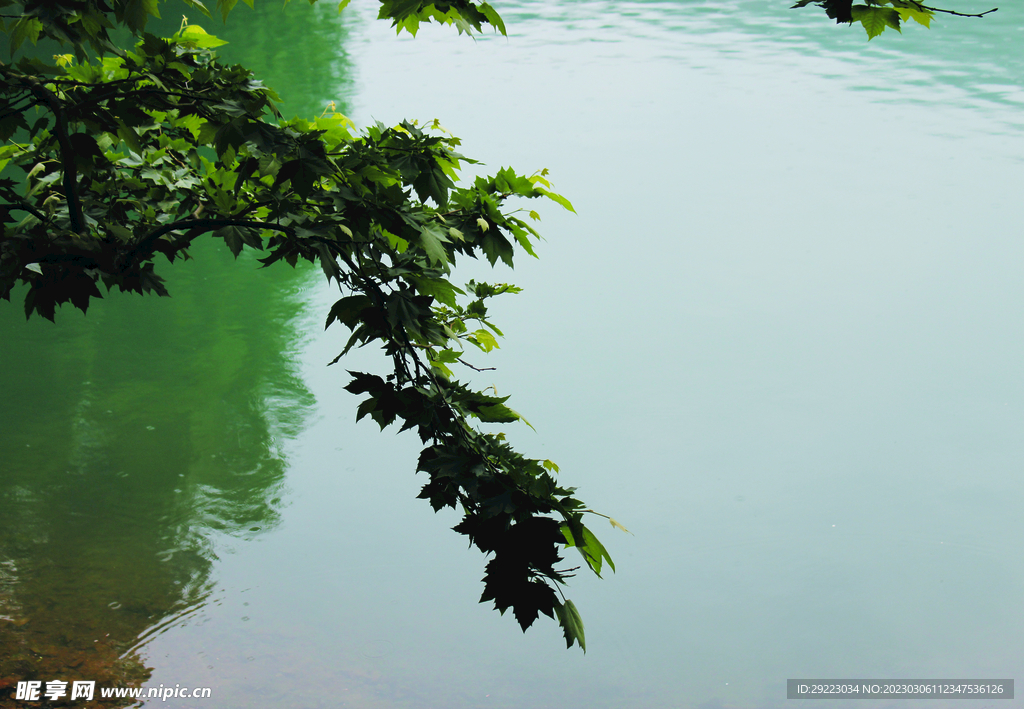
column 780, row 342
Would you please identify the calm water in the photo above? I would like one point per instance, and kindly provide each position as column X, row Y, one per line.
column 781, row 343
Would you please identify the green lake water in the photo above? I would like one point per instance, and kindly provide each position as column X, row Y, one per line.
column 781, row 342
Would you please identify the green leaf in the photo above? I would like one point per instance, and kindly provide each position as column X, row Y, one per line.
column 496, row 246
column 556, row 197
column 233, row 237
column 910, row 10
column 137, row 12
column 433, row 183
column 348, row 310
column 431, row 239
column 442, row 368
column 594, row 552
column 876, row 19
column 570, row 541
column 25, row 28
column 225, row 7
column 196, row 36
column 592, row 549
column 129, row 136
column 522, row 236
column 199, row 6
column 484, row 340
column 498, row 413
column 120, row 232
column 448, row 356
column 921, row 18
column 493, row 17
column 329, row 263
column 396, row 242
column 572, row 624
column 437, row 288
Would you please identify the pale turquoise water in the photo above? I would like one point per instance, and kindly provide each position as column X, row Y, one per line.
column 781, row 343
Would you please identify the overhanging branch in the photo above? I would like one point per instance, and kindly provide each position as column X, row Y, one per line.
column 196, row 227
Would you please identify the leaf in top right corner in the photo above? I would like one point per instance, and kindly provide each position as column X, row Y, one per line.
column 910, row 10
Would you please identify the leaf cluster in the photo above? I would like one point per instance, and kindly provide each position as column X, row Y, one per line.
column 113, row 157
column 876, row 15
column 464, row 15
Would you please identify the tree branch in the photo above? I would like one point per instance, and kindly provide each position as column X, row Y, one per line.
column 67, row 153
column 478, row 369
column 196, row 227
column 954, row 12
column 26, row 207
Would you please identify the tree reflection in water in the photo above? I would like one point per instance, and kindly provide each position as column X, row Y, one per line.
column 133, row 438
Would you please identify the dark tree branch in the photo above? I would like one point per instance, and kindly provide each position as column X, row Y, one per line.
column 195, row 227
column 15, row 108
column 954, row 12
column 26, row 207
column 478, row 369
column 145, row 91
column 67, row 153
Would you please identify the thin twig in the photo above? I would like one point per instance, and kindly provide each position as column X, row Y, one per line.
column 478, row 369
column 954, row 12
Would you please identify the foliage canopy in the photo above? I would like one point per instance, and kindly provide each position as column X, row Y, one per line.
column 129, row 153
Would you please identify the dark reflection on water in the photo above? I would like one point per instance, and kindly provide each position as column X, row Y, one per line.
column 132, row 438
